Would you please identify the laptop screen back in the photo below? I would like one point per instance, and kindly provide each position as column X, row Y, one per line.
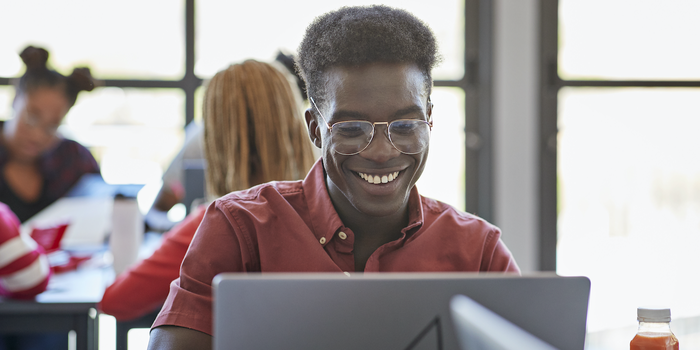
column 388, row 311
column 480, row 328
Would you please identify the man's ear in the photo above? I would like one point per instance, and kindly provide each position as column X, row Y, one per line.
column 312, row 126
column 430, row 108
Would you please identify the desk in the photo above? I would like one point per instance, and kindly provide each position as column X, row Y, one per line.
column 68, row 304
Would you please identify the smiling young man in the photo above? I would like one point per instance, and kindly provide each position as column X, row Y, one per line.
column 367, row 71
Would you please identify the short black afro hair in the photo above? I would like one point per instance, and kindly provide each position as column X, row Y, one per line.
column 353, row 36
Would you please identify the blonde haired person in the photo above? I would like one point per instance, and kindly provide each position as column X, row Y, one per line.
column 253, row 133
column 262, row 147
column 173, row 190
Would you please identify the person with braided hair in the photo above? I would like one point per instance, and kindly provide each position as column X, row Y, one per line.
column 173, row 190
column 253, row 133
column 37, row 165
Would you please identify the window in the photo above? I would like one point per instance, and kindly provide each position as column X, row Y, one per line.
column 133, row 131
column 281, row 25
column 152, row 87
column 154, row 55
column 135, row 40
column 7, row 93
column 620, row 86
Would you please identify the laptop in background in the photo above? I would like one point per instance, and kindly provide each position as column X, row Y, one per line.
column 388, row 311
column 194, row 177
column 86, row 208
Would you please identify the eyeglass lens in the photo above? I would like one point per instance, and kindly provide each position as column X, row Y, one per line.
column 408, row 136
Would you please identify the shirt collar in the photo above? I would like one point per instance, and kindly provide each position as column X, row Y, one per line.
column 325, row 219
column 415, row 211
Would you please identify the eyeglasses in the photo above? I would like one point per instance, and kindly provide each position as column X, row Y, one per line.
column 408, row 136
column 33, row 121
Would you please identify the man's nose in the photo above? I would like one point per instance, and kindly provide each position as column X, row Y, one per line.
column 380, row 148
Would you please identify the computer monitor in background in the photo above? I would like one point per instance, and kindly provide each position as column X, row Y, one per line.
column 87, row 209
column 194, row 181
column 388, row 311
column 479, row 328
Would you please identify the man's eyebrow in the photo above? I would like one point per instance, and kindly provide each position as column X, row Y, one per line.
column 408, row 110
column 348, row 115
column 352, row 115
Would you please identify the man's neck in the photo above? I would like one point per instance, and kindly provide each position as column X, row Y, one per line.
column 369, row 228
column 371, row 232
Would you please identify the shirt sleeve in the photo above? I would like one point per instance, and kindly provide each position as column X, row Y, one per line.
column 64, row 166
column 72, row 158
column 88, row 163
column 24, row 269
column 500, row 259
column 144, row 287
column 215, row 249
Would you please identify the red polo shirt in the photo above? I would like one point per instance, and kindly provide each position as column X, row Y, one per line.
column 292, row 226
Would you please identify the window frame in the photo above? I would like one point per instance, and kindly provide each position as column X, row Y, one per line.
column 549, row 85
column 476, row 84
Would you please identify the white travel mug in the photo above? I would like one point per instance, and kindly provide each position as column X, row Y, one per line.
column 127, row 233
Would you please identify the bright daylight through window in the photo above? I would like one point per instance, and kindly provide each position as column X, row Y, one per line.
column 134, row 131
column 628, row 170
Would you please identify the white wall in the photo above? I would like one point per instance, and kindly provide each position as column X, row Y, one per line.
column 515, row 127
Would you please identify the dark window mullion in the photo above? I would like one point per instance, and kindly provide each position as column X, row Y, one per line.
column 484, row 107
column 547, row 137
column 128, row 83
column 630, row 83
column 476, row 155
column 190, row 82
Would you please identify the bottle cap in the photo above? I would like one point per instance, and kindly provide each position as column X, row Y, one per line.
column 653, row 315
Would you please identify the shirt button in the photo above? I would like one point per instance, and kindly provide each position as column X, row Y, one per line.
column 342, row 235
column 322, row 240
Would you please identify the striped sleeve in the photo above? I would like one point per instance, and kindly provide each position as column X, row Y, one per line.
column 24, row 269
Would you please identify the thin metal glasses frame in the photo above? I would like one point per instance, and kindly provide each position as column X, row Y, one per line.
column 371, row 138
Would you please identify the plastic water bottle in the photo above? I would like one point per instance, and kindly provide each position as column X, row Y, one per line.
column 654, row 332
column 127, row 233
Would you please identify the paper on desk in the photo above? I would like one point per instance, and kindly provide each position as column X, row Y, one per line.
column 89, row 219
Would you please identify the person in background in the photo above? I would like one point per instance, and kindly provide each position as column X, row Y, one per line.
column 173, row 190
column 24, row 269
column 37, row 165
column 368, row 75
column 253, row 133
column 24, row 273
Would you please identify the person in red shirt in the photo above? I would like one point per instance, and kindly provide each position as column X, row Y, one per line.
column 367, row 72
column 24, row 273
column 24, row 269
column 238, row 101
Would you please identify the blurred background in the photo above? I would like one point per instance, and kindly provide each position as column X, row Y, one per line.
column 570, row 124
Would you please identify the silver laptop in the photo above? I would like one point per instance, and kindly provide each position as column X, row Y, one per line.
column 388, row 311
column 479, row 328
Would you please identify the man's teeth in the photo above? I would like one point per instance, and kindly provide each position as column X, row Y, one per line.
column 379, row 179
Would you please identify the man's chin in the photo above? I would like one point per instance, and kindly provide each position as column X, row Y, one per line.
column 379, row 209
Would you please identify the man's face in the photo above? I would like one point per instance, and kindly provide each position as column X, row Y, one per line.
column 378, row 92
